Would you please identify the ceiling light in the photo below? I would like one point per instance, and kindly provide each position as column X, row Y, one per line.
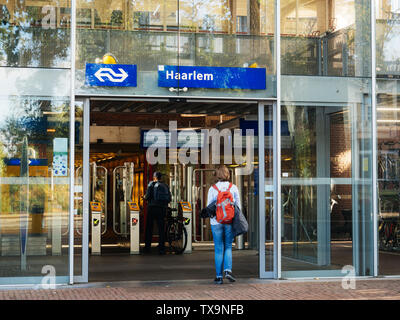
column 193, row 115
column 388, row 109
column 389, row 121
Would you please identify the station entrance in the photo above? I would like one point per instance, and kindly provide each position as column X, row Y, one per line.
column 185, row 141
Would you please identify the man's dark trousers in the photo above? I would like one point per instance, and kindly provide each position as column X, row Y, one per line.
column 155, row 213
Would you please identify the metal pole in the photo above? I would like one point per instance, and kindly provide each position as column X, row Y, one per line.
column 194, row 205
column 261, row 188
column 201, row 203
column 374, row 187
column 277, row 147
column 86, row 191
column 72, row 143
column 239, row 185
column 189, row 185
column 94, row 180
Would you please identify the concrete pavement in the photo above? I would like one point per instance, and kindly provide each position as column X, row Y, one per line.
column 243, row 289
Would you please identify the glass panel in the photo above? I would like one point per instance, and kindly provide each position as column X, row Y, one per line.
column 307, row 185
column 225, row 33
column 269, row 188
column 326, row 145
column 388, row 131
column 141, row 33
column 387, row 39
column 388, row 180
column 35, row 186
column 78, row 190
column 35, row 34
column 34, row 125
column 161, row 34
column 325, row 38
column 326, row 179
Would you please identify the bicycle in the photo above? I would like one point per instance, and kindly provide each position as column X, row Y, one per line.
column 175, row 232
column 389, row 234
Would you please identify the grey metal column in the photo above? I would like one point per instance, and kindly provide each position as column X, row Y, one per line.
column 239, row 184
column 72, row 143
column 355, row 187
column 86, row 191
column 277, row 147
column 190, row 196
column 323, row 190
column 277, row 217
column 375, row 187
column 261, row 184
column 201, row 204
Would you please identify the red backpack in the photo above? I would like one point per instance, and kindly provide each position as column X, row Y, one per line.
column 225, row 206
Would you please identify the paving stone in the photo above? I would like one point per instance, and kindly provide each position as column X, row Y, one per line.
column 386, row 289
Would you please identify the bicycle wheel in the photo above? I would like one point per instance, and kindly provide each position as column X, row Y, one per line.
column 177, row 236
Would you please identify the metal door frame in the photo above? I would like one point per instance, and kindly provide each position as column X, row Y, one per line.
column 84, row 277
column 275, row 273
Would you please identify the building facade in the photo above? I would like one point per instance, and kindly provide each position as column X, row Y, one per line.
column 320, row 92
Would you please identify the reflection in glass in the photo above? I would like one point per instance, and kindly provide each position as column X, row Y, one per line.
column 34, row 34
column 388, row 132
column 325, row 180
column 326, row 38
column 218, row 33
column 388, row 181
column 387, row 39
column 34, row 186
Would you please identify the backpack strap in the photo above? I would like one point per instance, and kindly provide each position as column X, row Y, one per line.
column 230, row 186
column 215, row 187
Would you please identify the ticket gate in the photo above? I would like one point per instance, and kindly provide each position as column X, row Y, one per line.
column 186, row 210
column 134, row 212
column 95, row 222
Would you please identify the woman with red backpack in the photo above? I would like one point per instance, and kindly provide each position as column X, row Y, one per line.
column 225, row 195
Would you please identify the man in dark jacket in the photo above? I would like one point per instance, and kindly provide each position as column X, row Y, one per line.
column 157, row 196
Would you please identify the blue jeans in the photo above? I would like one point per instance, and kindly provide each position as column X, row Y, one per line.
column 222, row 235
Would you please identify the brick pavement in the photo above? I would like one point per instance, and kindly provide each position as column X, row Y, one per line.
column 374, row 289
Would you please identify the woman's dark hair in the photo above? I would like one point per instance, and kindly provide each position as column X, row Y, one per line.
column 222, row 173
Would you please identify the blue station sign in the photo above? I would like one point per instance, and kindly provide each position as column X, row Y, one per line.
column 111, row 75
column 212, row 77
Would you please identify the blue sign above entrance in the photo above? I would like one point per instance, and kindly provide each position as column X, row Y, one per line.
column 111, row 75
column 212, row 77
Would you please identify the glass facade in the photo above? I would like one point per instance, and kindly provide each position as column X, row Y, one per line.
column 326, row 140
column 328, row 121
column 149, row 34
column 387, row 102
column 35, row 102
